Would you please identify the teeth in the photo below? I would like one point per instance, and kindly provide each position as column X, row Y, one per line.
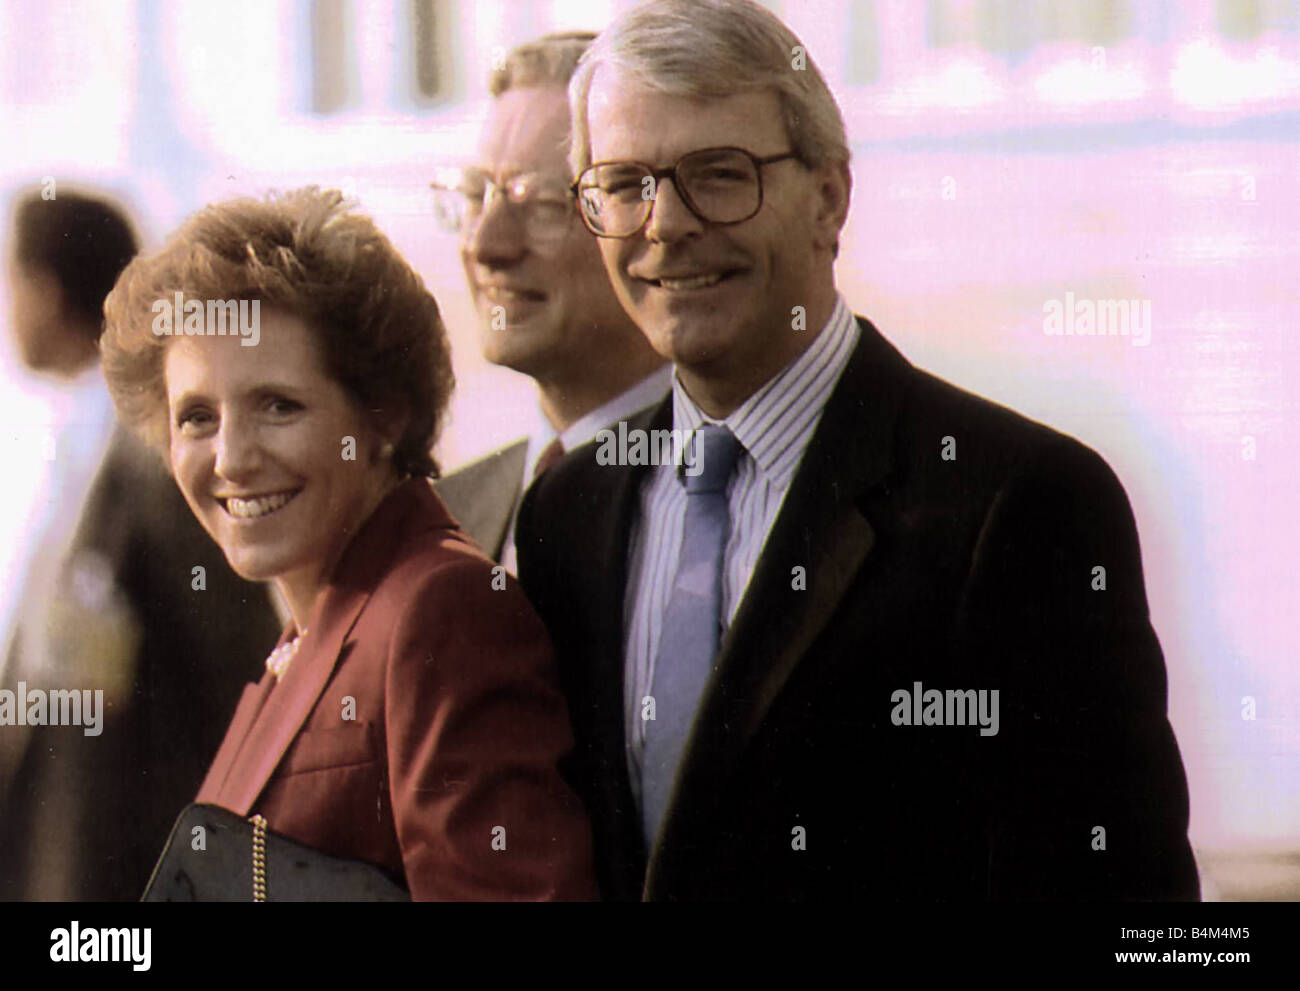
column 695, row 282
column 247, row 509
column 506, row 295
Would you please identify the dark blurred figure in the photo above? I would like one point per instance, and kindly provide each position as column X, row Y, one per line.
column 113, row 599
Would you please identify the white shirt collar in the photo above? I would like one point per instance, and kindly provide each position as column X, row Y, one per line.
column 647, row 392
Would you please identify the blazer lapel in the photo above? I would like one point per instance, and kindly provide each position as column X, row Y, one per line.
column 289, row 704
column 410, row 508
column 250, row 703
column 820, row 528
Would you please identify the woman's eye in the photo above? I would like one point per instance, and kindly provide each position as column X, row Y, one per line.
column 193, row 420
column 284, row 406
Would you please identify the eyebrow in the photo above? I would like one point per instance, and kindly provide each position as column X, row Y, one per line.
column 559, row 178
column 263, row 390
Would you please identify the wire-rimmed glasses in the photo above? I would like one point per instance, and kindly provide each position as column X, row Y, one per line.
column 543, row 206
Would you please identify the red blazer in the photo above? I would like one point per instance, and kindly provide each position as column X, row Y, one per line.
column 419, row 726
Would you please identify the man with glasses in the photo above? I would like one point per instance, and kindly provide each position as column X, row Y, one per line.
column 861, row 649
column 545, row 304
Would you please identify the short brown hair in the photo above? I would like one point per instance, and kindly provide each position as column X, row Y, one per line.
column 83, row 240
column 309, row 253
column 547, row 61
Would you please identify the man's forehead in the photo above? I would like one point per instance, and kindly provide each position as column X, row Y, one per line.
column 526, row 130
column 627, row 119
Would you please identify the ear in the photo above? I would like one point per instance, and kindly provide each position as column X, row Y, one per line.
column 390, row 423
column 834, row 185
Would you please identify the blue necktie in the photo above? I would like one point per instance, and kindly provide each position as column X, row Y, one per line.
column 692, row 623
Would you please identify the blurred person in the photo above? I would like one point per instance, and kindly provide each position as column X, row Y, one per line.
column 409, row 712
column 886, row 639
column 122, row 594
column 545, row 305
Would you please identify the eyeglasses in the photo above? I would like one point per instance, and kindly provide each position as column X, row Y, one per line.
column 544, row 207
column 718, row 185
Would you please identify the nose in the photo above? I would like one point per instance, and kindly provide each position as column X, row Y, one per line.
column 670, row 218
column 495, row 238
column 237, row 450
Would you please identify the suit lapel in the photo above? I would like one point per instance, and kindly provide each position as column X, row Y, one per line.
column 611, row 496
column 820, row 528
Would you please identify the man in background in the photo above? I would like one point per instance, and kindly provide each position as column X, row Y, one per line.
column 544, row 302
column 122, row 593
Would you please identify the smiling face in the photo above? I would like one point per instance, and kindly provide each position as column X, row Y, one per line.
column 556, row 299
column 257, row 447
column 718, row 300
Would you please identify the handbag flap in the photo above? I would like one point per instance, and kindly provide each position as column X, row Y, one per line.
column 209, row 858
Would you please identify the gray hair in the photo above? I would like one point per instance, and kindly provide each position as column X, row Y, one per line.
column 712, row 49
column 547, row 61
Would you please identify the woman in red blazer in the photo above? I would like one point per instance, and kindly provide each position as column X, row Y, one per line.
column 409, row 716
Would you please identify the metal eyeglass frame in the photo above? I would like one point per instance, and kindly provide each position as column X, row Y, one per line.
column 501, row 189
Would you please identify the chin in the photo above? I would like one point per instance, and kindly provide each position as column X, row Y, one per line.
column 250, row 571
column 693, row 345
column 525, row 356
column 515, row 359
column 509, row 346
column 254, row 565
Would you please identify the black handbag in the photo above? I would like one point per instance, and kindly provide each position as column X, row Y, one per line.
column 239, row 859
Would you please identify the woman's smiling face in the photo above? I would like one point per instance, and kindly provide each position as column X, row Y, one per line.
column 276, row 459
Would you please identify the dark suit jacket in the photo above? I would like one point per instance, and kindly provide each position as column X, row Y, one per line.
column 974, row 573
column 84, row 817
column 482, row 495
column 419, row 722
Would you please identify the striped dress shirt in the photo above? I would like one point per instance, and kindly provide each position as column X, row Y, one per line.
column 774, row 426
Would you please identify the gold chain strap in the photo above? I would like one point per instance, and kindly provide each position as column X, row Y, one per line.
column 259, row 858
